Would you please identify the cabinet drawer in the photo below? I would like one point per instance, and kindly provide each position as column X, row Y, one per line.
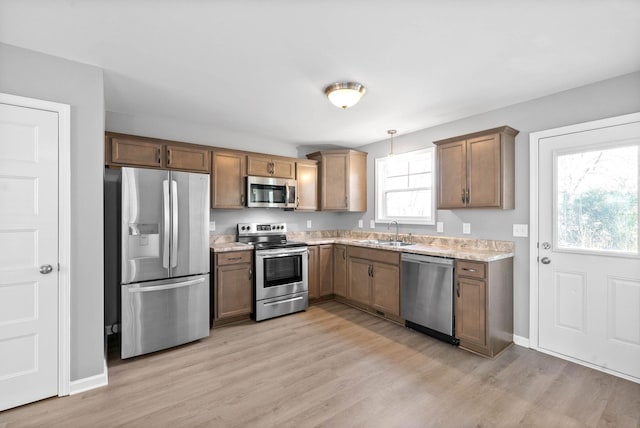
column 470, row 269
column 233, row 257
column 391, row 257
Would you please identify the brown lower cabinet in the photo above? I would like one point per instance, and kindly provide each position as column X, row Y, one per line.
column 484, row 305
column 340, row 270
column 320, row 271
column 374, row 279
column 233, row 284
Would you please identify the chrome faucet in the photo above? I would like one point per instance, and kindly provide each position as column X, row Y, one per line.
column 397, row 228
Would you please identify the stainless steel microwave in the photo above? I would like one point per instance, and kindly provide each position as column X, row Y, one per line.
column 267, row 192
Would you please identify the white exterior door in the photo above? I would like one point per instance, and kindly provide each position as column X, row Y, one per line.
column 28, row 246
column 589, row 259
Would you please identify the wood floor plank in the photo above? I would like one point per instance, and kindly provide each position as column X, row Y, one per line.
column 335, row 366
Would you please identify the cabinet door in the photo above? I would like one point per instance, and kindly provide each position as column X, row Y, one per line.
column 357, row 194
column 313, row 272
column 471, row 312
column 359, row 288
column 335, row 178
column 326, row 270
column 385, row 289
column 188, row 158
column 138, row 153
column 259, row 166
column 227, row 180
column 268, row 167
column 234, row 286
column 307, row 178
column 340, row 270
column 284, row 168
column 452, row 175
column 484, row 171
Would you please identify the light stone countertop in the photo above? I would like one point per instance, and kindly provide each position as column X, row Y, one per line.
column 451, row 251
column 225, row 247
column 482, row 255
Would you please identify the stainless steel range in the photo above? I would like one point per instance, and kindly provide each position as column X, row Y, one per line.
column 281, row 270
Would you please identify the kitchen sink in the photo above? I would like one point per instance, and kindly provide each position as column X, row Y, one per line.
column 385, row 242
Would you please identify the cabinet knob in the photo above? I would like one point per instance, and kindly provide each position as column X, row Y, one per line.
column 463, row 196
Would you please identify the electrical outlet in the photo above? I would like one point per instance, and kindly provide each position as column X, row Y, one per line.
column 466, row 228
column 372, row 224
column 361, row 223
column 439, row 227
column 308, row 224
column 521, row 230
column 212, row 226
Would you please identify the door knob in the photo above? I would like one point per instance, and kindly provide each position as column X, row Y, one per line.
column 45, row 269
column 545, row 260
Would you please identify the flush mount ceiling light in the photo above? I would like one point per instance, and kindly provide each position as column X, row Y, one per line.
column 344, row 94
column 391, row 133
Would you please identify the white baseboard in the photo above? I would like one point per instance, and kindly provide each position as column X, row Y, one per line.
column 521, row 341
column 91, row 382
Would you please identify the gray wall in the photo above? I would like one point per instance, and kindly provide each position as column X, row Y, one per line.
column 597, row 101
column 31, row 74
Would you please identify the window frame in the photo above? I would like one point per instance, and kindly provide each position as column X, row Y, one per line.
column 379, row 191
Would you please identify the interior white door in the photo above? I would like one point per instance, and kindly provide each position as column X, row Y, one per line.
column 589, row 259
column 28, row 255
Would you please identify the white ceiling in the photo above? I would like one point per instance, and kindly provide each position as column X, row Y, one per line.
column 260, row 67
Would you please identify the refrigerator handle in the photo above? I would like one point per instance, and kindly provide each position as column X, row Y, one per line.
column 174, row 223
column 165, row 218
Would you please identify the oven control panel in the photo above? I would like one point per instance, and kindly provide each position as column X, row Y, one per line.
column 261, row 228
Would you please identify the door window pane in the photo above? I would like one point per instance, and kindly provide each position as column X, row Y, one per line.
column 597, row 200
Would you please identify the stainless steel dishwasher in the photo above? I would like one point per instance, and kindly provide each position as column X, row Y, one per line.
column 427, row 295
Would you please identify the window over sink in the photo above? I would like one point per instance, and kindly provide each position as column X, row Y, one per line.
column 405, row 187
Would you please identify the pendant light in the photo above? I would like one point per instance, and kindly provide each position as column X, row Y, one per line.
column 391, row 133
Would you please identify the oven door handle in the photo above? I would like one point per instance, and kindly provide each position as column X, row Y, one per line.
column 280, row 253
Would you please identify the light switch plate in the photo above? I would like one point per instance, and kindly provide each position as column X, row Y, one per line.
column 439, row 227
column 212, row 226
column 308, row 224
column 372, row 224
column 361, row 223
column 521, row 230
column 466, row 228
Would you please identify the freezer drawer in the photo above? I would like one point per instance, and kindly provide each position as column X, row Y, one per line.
column 160, row 314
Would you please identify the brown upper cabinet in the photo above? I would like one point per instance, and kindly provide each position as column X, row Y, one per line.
column 307, row 179
column 227, row 179
column 343, row 179
column 271, row 167
column 130, row 150
column 477, row 170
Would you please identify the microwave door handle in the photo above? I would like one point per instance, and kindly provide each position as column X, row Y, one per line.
column 286, row 195
column 166, row 226
column 174, row 223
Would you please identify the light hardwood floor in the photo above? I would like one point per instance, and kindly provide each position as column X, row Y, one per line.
column 334, row 366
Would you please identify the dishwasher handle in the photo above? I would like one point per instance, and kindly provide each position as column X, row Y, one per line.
column 419, row 258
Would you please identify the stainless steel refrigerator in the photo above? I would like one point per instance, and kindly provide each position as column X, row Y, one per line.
column 156, row 258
